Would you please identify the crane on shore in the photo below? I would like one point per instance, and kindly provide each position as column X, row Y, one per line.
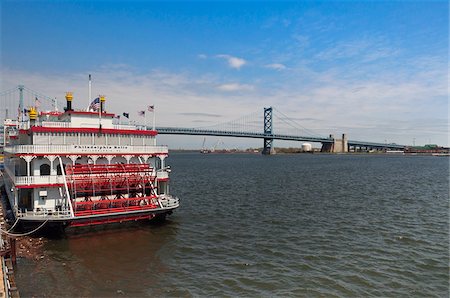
column 213, row 149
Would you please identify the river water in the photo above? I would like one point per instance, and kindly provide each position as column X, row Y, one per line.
column 283, row 225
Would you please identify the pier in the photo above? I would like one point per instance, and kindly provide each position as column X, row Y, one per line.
column 8, row 286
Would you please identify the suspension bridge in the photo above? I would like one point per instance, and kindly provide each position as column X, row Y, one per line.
column 259, row 125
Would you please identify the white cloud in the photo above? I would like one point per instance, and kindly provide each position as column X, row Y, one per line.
column 233, row 62
column 386, row 105
column 276, row 66
column 129, row 91
column 235, row 87
column 202, row 56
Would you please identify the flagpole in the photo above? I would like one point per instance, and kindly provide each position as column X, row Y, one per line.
column 153, row 128
column 101, row 101
column 90, row 93
column 154, row 118
column 100, row 116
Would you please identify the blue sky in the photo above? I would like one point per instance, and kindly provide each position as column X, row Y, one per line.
column 375, row 70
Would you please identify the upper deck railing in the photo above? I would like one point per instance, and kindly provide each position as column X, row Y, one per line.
column 66, row 124
column 83, row 149
column 28, row 180
column 59, row 179
column 55, row 124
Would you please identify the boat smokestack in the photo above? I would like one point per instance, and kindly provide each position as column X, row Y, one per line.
column 69, row 97
column 32, row 114
column 102, row 103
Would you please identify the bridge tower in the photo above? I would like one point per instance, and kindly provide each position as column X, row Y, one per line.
column 21, row 106
column 268, row 140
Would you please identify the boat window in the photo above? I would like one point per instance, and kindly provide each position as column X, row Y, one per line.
column 42, row 195
column 45, row 170
column 58, row 170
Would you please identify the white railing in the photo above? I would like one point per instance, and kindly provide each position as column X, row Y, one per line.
column 80, row 149
column 26, row 125
column 168, row 201
column 42, row 212
column 123, row 126
column 27, row 180
column 10, row 122
column 56, row 124
column 162, row 175
column 94, row 125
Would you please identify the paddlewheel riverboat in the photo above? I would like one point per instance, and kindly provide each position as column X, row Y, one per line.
column 81, row 168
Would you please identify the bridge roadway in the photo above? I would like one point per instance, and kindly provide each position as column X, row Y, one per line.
column 238, row 134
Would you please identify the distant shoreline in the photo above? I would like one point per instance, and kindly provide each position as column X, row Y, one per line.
column 311, row 152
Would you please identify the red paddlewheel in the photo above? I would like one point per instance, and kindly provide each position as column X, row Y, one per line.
column 113, row 206
column 95, row 180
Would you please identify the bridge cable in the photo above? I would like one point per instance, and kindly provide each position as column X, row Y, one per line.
column 299, row 127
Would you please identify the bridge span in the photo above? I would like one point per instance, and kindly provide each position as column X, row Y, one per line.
column 240, row 130
column 328, row 144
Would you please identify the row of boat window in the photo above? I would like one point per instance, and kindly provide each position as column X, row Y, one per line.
column 89, row 135
column 45, row 170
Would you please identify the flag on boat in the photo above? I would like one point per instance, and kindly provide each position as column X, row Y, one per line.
column 126, row 115
column 151, row 108
column 37, row 103
column 141, row 113
column 95, row 104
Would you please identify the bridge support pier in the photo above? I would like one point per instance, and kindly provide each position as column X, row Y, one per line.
column 338, row 145
column 268, row 141
column 268, row 147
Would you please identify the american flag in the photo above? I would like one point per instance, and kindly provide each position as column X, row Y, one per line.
column 141, row 113
column 151, row 108
column 95, row 104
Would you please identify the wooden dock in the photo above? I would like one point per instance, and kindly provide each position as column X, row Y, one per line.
column 8, row 286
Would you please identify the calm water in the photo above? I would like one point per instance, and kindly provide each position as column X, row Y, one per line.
column 251, row 225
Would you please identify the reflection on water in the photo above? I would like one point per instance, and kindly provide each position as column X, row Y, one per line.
column 104, row 262
column 287, row 225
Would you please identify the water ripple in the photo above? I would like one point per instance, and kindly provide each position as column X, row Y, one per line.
column 278, row 226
